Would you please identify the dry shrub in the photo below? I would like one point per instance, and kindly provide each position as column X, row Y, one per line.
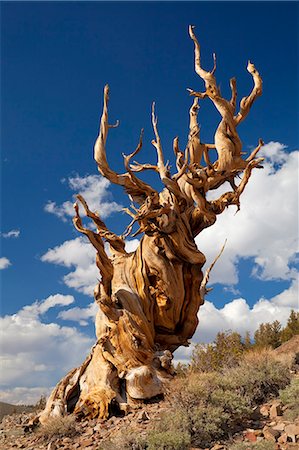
column 259, row 376
column 127, row 441
column 58, row 427
column 210, row 406
column 262, row 445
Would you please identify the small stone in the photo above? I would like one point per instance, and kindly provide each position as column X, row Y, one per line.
column 250, row 436
column 283, row 438
column 51, row 446
column 275, row 410
column 270, row 434
column 89, row 432
column 98, row 427
column 142, row 416
column 280, row 426
column 264, row 410
column 86, row 442
column 292, row 429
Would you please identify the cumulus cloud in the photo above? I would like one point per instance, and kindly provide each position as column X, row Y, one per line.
column 80, row 315
column 266, row 227
column 94, row 188
column 238, row 316
column 41, row 307
column 24, row 395
column 80, row 254
column 36, row 354
column 11, row 234
column 4, row 263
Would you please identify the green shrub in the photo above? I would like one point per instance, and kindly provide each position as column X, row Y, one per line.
column 208, row 424
column 290, row 397
column 213, row 404
column 225, row 351
column 258, row 377
column 171, row 432
column 168, row 440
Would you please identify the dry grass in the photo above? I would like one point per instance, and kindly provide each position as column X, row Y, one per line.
column 58, row 427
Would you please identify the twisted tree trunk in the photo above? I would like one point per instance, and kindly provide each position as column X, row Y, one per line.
column 149, row 299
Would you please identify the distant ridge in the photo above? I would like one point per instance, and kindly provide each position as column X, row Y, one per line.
column 7, row 409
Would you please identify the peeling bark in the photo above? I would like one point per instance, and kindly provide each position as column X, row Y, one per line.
column 149, row 299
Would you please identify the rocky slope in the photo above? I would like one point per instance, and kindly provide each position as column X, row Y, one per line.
column 268, row 423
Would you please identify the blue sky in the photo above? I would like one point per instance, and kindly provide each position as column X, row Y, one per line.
column 56, row 59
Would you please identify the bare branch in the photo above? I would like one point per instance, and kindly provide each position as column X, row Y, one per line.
column 233, row 100
column 195, row 148
column 103, row 262
column 203, row 290
column 138, row 191
column 247, row 102
column 208, row 77
column 247, row 172
column 157, row 144
column 255, row 151
column 128, row 158
column 138, row 167
column 116, row 242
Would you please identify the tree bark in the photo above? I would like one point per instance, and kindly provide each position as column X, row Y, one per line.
column 149, row 299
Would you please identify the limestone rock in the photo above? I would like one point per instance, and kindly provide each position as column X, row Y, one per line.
column 275, row 410
column 270, row 434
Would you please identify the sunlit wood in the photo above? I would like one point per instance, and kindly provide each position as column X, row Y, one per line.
column 149, row 299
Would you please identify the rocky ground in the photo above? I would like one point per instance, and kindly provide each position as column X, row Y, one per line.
column 268, row 424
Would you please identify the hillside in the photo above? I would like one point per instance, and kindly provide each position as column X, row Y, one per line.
column 7, row 409
column 289, row 347
column 252, row 405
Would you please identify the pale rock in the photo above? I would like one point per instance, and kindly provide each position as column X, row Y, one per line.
column 275, row 410
column 86, row 442
column 270, row 434
column 283, row 438
column 264, row 410
column 292, row 431
column 143, row 416
column 280, row 426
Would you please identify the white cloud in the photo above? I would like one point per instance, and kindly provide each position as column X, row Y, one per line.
column 132, row 245
column 24, row 395
column 80, row 254
column 265, row 228
column 238, row 316
column 94, row 188
column 4, row 263
column 41, row 307
column 35, row 354
column 81, row 315
column 11, row 234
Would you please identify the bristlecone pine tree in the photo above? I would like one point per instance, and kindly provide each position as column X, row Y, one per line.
column 149, row 299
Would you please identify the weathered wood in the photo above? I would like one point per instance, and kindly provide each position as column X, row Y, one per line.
column 149, row 299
